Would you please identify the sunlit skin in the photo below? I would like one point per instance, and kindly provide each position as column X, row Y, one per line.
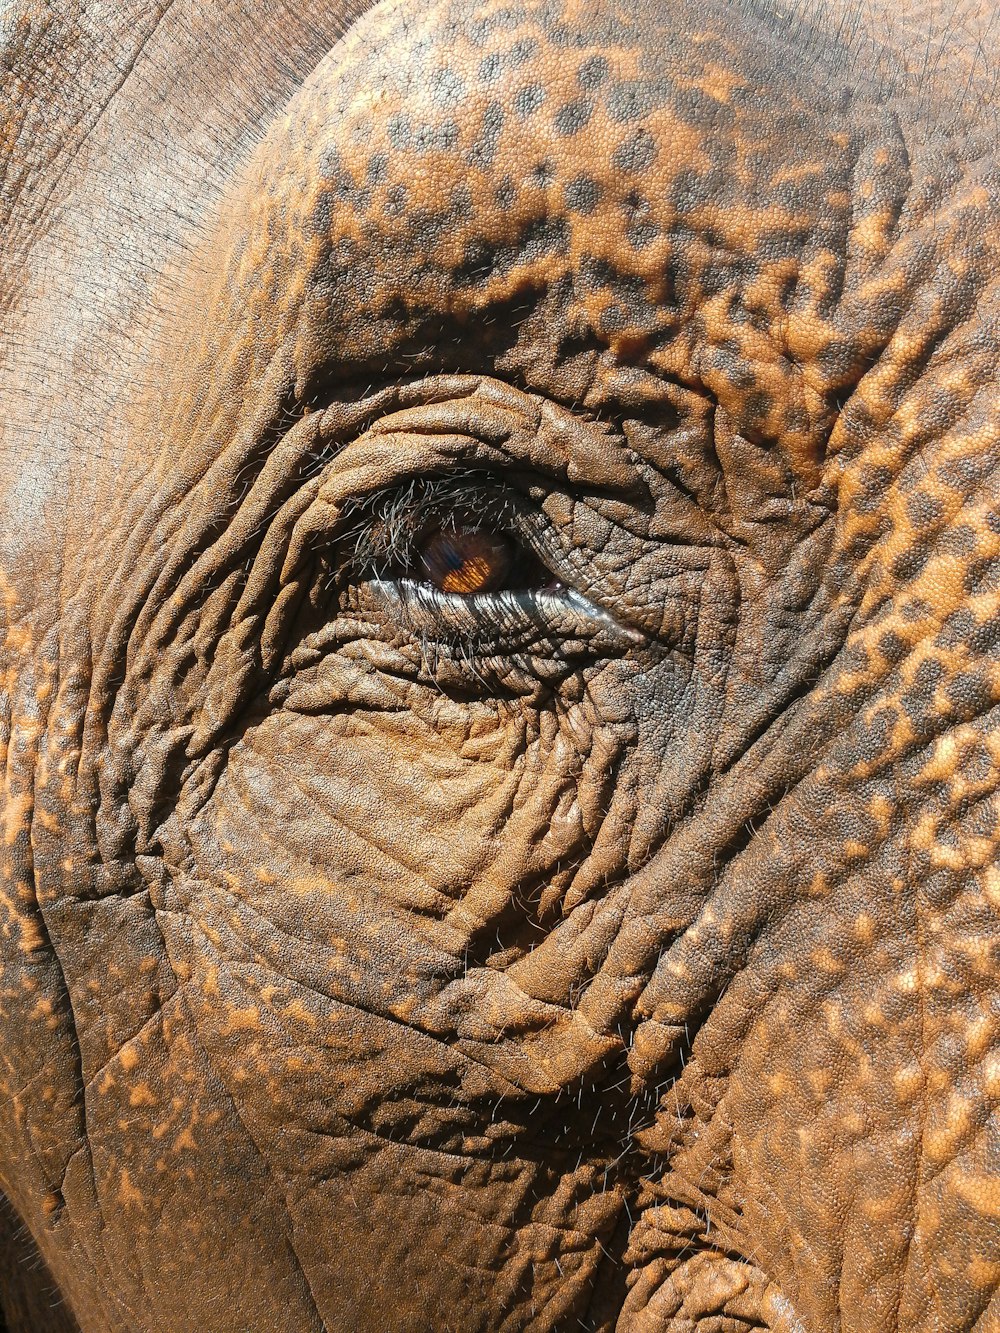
column 499, row 674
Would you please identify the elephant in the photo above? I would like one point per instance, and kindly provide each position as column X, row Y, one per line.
column 499, row 675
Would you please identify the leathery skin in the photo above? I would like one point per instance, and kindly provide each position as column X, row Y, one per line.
column 617, row 951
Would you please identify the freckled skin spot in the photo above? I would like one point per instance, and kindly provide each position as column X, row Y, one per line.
column 582, row 194
column 528, row 99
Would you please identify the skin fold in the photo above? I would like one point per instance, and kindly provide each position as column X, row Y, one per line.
column 615, row 948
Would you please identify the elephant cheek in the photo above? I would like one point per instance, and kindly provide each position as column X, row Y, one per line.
column 381, row 859
column 383, row 814
column 317, row 969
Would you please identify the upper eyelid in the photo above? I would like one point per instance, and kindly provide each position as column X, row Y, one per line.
column 357, row 448
column 501, row 503
column 473, row 422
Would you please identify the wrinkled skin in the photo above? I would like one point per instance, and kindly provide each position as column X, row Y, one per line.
column 616, row 958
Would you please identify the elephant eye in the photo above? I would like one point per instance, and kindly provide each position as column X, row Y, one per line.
column 468, row 569
column 467, row 561
column 466, row 542
column 472, row 560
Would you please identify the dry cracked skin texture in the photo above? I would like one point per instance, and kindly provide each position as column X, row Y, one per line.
column 618, row 952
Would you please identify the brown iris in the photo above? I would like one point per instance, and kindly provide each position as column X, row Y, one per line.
column 466, row 561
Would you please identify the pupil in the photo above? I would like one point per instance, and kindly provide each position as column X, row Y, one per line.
column 467, row 562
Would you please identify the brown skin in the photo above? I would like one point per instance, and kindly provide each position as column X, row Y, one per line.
column 615, row 948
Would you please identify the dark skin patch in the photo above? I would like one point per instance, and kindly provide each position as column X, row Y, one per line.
column 593, row 72
column 582, row 194
column 573, row 116
column 528, row 99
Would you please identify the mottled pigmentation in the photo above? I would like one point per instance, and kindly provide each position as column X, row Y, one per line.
column 499, row 681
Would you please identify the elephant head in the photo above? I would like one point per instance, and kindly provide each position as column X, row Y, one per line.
column 498, row 689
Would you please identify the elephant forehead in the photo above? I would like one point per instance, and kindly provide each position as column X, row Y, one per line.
column 509, row 152
column 464, row 136
column 443, row 162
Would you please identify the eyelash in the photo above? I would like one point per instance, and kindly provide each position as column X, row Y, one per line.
column 380, row 533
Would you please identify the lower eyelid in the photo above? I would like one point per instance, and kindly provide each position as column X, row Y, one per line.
column 563, row 614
